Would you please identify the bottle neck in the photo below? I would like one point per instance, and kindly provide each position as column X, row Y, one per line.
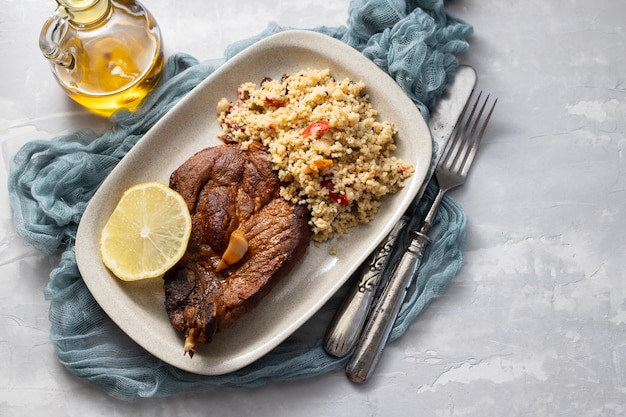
column 84, row 12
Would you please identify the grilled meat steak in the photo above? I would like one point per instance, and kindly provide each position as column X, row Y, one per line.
column 227, row 188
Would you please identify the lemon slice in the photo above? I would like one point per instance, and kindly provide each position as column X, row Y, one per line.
column 147, row 233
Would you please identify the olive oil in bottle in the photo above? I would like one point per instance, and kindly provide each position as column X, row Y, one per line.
column 106, row 54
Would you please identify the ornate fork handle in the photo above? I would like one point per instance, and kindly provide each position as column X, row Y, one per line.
column 350, row 317
column 379, row 327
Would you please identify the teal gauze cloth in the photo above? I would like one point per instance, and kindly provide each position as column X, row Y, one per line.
column 51, row 183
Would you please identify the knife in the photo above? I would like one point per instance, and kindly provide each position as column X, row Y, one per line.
column 347, row 324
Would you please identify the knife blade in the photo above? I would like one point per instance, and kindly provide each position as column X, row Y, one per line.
column 347, row 324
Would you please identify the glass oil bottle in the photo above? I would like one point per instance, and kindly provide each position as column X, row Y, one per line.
column 106, row 54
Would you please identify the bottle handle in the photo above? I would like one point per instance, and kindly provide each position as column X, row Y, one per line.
column 53, row 32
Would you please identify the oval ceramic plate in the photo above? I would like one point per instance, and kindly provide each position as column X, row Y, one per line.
column 137, row 307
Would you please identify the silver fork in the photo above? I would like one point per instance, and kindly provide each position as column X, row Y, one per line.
column 460, row 151
column 451, row 172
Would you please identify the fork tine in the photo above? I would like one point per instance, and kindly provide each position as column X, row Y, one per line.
column 462, row 147
column 452, row 147
column 457, row 156
column 468, row 138
column 476, row 141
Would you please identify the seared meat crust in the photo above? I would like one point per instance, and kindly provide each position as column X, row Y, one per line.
column 228, row 188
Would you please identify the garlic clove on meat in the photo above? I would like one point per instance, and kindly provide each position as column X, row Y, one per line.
column 237, row 248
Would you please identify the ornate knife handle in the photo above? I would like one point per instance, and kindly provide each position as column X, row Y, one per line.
column 349, row 319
